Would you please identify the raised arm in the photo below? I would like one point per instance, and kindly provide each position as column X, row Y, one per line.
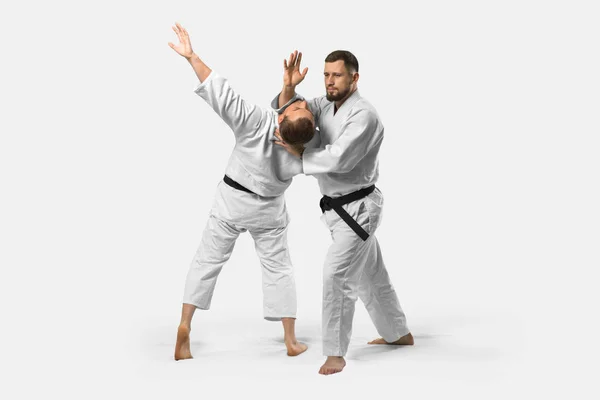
column 291, row 77
column 184, row 49
column 244, row 119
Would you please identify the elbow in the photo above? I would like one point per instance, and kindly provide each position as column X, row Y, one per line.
column 344, row 168
column 340, row 166
column 337, row 161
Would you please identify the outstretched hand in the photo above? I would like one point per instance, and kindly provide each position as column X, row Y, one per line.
column 293, row 150
column 184, row 48
column 291, row 70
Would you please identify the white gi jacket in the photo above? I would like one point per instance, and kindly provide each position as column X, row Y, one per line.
column 344, row 159
column 267, row 170
column 255, row 162
column 343, row 163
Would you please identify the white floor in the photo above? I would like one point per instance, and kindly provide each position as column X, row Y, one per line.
column 489, row 168
column 461, row 356
column 486, row 325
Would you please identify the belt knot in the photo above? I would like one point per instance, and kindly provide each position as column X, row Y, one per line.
column 326, row 203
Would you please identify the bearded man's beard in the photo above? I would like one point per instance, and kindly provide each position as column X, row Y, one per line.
column 338, row 96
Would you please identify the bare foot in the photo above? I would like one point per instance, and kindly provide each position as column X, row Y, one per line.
column 182, row 347
column 332, row 365
column 294, row 348
column 406, row 340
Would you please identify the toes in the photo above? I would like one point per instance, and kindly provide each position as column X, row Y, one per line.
column 325, row 370
column 329, row 370
column 378, row 341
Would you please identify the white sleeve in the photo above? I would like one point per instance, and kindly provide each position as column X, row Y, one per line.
column 279, row 110
column 243, row 118
column 360, row 133
column 314, row 105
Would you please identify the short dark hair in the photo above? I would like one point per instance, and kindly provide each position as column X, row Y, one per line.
column 350, row 62
column 299, row 131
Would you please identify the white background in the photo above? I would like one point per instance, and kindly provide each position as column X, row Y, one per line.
column 489, row 167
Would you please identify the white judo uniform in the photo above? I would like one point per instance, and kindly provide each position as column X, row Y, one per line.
column 265, row 169
column 344, row 158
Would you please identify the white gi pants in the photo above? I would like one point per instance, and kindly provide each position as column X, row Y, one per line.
column 354, row 269
column 218, row 240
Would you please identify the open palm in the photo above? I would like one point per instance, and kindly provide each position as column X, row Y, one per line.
column 184, row 48
column 291, row 70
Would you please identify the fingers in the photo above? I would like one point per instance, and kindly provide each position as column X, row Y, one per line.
column 186, row 35
column 283, row 144
column 294, row 62
column 304, row 72
column 177, row 31
column 182, row 33
column 280, row 142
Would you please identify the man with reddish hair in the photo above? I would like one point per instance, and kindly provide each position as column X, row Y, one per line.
column 250, row 198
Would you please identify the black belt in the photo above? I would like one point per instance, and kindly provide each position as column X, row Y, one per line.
column 328, row 203
column 236, row 185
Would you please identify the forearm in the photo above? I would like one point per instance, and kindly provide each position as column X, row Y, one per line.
column 324, row 160
column 202, row 70
column 359, row 137
column 286, row 95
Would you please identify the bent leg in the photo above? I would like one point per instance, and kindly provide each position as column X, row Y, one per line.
column 381, row 301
